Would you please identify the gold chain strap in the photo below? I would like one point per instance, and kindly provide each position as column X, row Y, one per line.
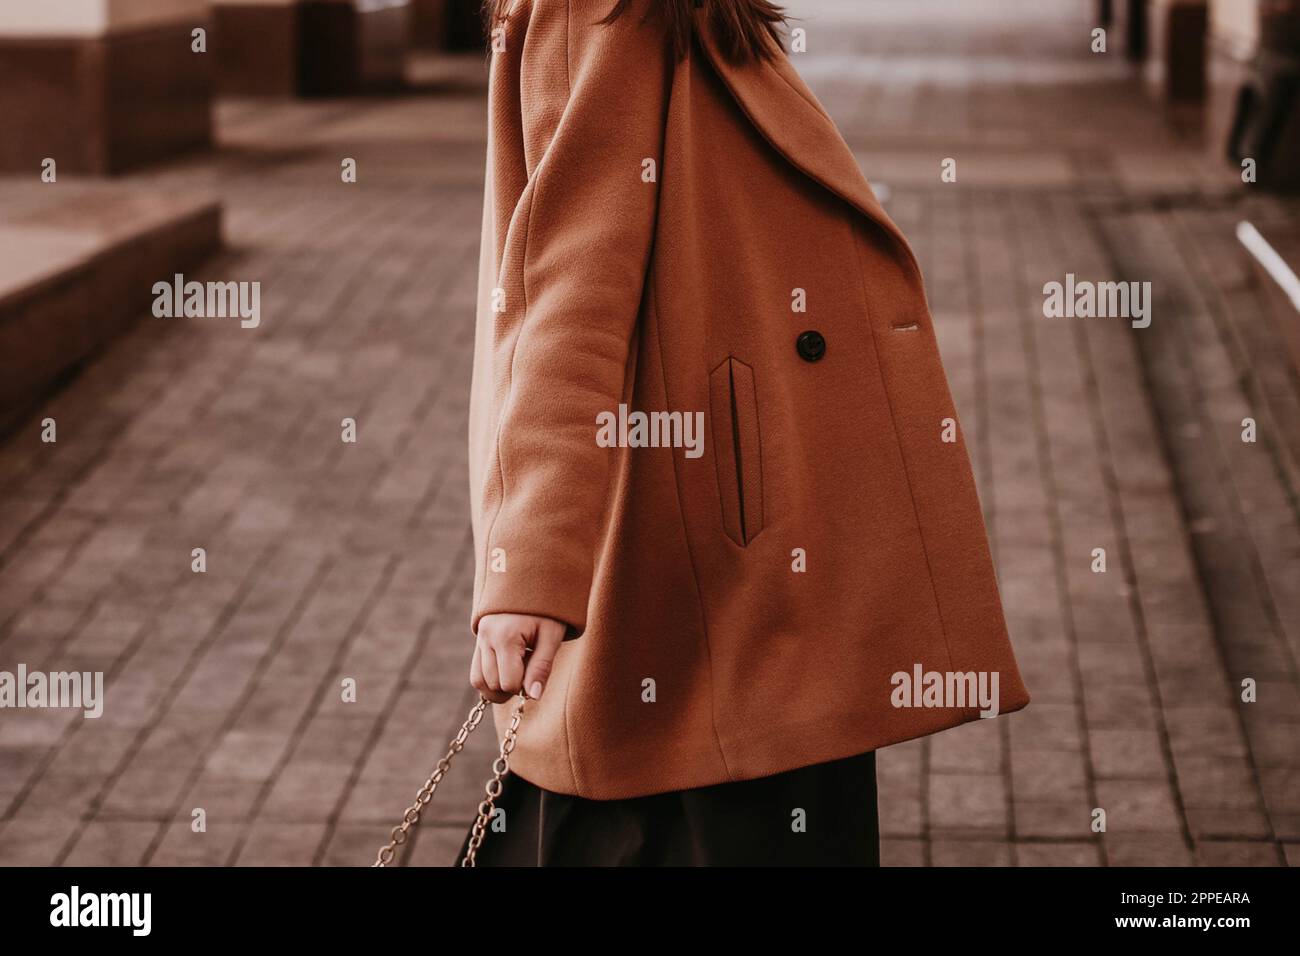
column 492, row 790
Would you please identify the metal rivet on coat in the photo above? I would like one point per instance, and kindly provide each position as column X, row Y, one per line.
column 810, row 345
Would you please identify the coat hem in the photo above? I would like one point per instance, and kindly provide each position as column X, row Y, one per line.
column 779, row 750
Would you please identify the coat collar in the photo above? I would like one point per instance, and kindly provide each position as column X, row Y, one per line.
column 782, row 108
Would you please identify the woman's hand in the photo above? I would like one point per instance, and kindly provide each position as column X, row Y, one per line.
column 499, row 670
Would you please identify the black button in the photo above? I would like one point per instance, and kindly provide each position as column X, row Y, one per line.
column 810, row 345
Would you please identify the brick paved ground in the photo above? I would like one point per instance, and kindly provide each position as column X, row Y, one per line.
column 329, row 561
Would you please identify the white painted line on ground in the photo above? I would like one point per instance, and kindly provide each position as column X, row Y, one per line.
column 1273, row 264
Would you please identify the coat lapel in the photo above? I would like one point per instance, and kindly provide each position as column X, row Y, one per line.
column 782, row 108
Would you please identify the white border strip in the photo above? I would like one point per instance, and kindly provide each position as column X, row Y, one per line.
column 1273, row 264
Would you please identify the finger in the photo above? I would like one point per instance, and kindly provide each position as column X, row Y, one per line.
column 488, row 661
column 550, row 636
column 487, row 664
column 476, row 669
column 510, row 662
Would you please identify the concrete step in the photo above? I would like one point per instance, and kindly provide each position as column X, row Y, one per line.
column 77, row 265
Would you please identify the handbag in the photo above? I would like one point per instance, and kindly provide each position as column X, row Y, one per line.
column 492, row 789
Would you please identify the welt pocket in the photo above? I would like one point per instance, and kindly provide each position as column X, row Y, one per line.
column 733, row 410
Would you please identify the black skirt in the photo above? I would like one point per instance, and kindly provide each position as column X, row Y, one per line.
column 823, row 815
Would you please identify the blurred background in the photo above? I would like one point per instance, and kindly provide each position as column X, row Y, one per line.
column 333, row 151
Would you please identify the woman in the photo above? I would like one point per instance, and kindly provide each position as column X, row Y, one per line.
column 719, row 624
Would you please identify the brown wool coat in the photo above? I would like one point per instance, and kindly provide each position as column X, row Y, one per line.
column 672, row 287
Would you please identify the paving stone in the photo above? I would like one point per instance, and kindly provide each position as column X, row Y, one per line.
column 223, row 799
column 1146, row 849
column 1138, row 806
column 1127, row 753
column 305, row 791
column 1070, row 820
column 354, row 845
column 968, row 802
column 36, row 840
column 112, row 843
column 1058, row 854
column 181, row 846
column 970, row 853
column 436, row 846
column 1045, row 775
column 282, row 844
column 1247, row 824
column 902, row 852
column 1217, row 783
column 1238, row 853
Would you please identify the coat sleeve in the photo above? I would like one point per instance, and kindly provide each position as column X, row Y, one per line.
column 592, row 104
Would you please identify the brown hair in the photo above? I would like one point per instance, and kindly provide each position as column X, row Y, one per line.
column 745, row 29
